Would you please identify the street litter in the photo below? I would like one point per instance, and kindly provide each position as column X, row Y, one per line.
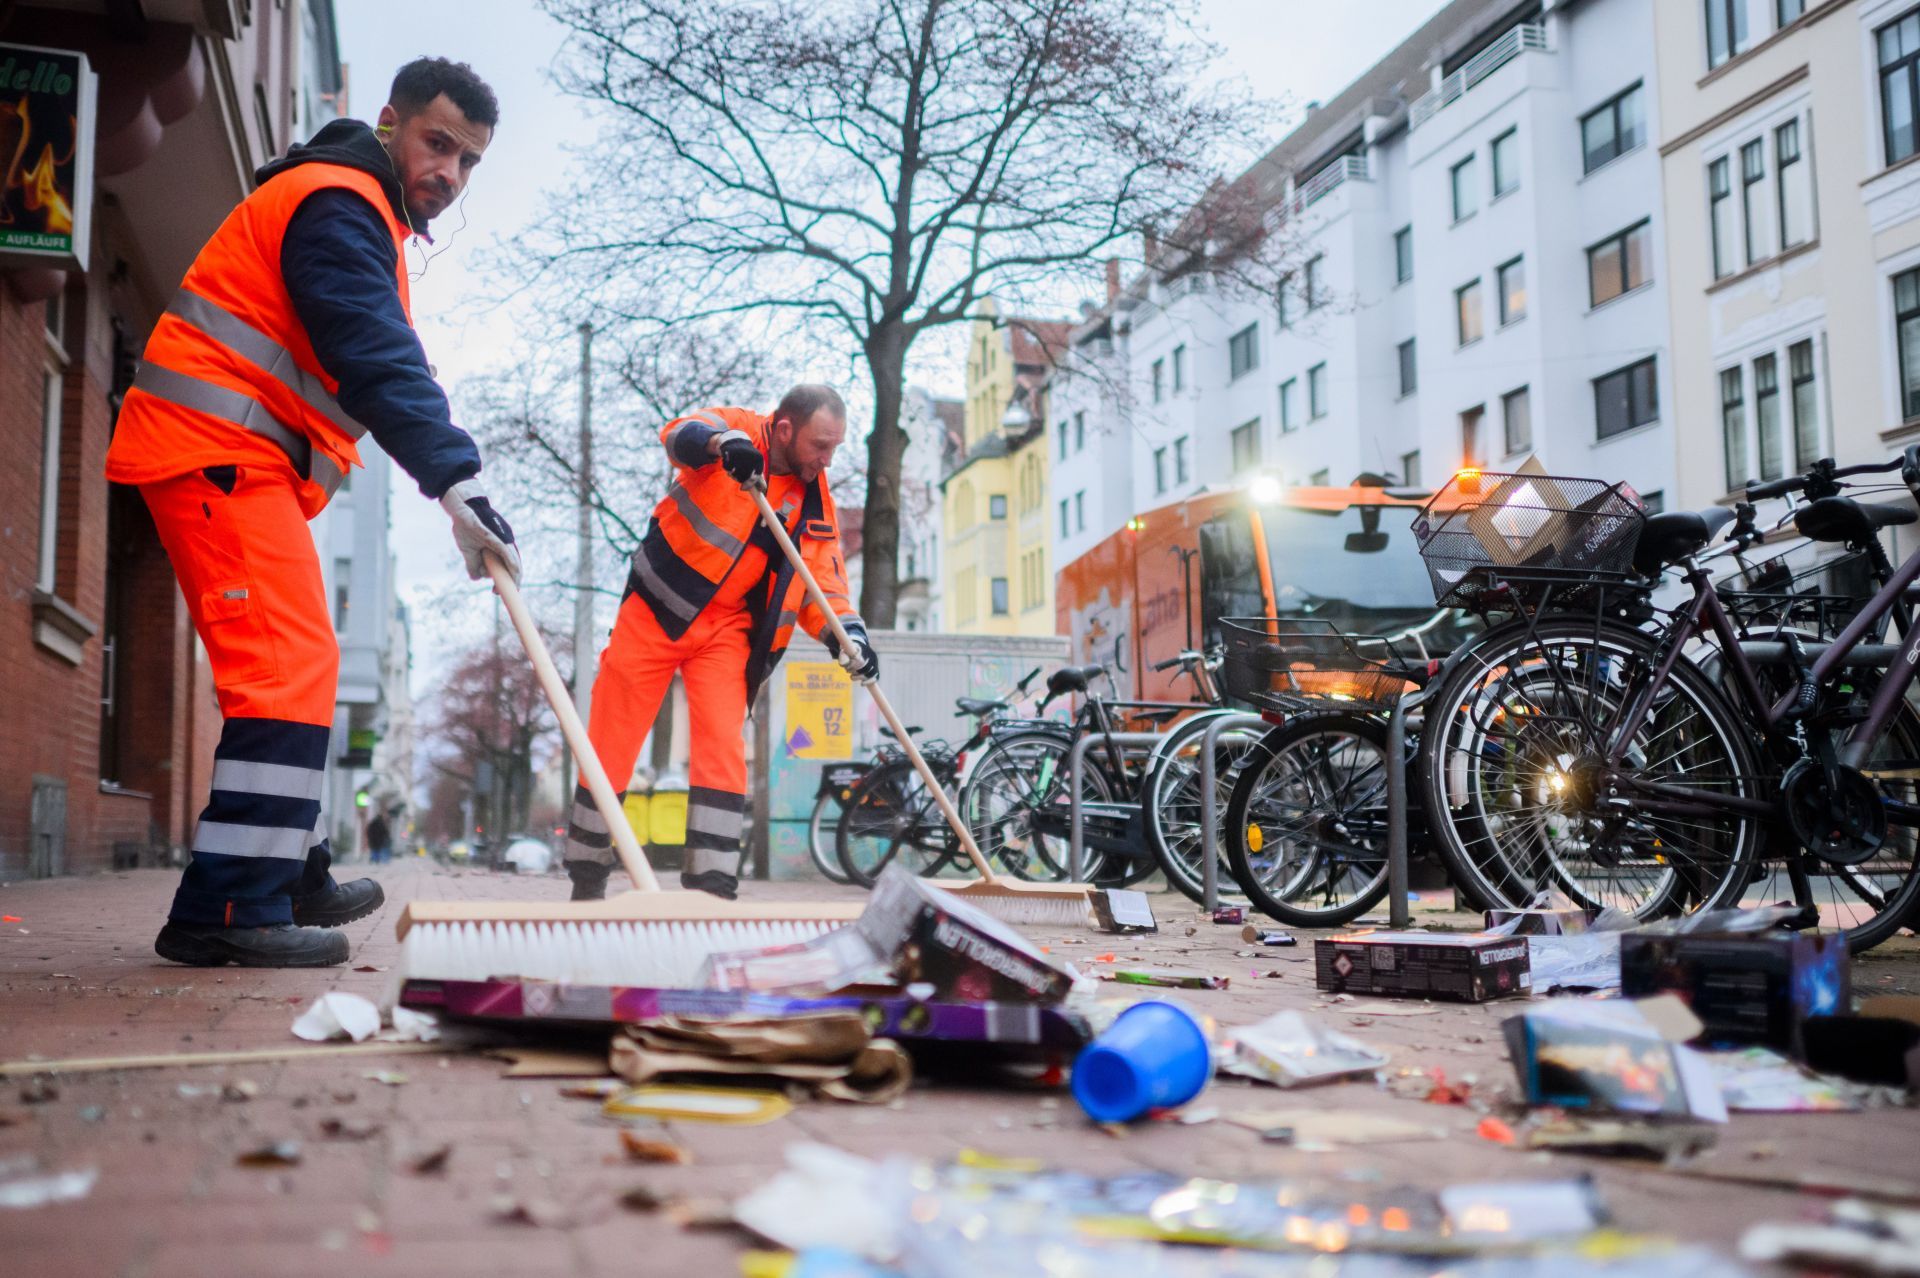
column 1460, row 967
column 338, row 1015
column 24, row 1185
column 1288, row 1049
column 1121, row 910
column 1234, row 915
column 1857, row 1237
column 279, row 1153
column 652, row 1149
column 348, row 1129
column 431, row 1163
column 1760, row 1080
column 1165, row 978
column 1432, row 1086
column 542, row 1213
column 389, row 1077
column 1634, row 1138
column 1626, row 1057
column 832, row 1052
column 740, row 1106
column 1864, row 1048
column 1329, row 1128
column 1154, row 1056
column 1261, row 936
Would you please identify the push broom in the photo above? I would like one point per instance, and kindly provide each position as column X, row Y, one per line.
column 1013, row 900
column 645, row 937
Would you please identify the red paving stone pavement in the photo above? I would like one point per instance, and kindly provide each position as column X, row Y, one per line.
column 78, row 978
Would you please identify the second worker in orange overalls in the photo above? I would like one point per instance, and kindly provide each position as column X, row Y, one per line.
column 711, row 598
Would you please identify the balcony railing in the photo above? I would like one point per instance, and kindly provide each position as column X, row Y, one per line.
column 1348, row 168
column 1483, row 64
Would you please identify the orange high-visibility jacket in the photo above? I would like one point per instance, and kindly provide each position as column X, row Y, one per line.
column 229, row 375
column 701, row 528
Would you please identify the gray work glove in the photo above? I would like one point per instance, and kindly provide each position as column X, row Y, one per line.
column 479, row 529
column 863, row 663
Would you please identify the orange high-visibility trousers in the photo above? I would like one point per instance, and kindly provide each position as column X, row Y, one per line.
column 245, row 560
column 636, row 670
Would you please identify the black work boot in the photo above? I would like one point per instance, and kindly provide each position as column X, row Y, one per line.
column 277, row 945
column 338, row 904
column 717, row 882
column 589, row 880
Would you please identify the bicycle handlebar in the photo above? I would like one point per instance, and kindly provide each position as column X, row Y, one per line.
column 1825, row 472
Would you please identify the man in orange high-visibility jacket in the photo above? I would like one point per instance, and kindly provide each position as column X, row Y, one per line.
column 712, row 598
column 289, row 339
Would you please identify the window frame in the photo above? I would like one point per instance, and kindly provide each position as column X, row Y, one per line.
column 1524, row 396
column 1459, row 314
column 1619, row 241
column 1247, row 433
column 1158, row 375
column 1080, row 430
column 52, row 429
column 1403, row 254
column 1182, row 469
column 1719, row 190
column 1510, row 137
column 1908, row 361
column 1179, row 368
column 998, row 603
column 1732, row 431
column 1612, row 108
column 1781, row 169
column 1407, row 356
column 1780, row 19
column 996, row 506
column 1065, row 530
column 1766, row 398
column 1317, row 407
column 1734, row 14
column 1063, row 439
column 1310, row 273
column 1806, row 427
column 1080, row 511
column 1243, row 352
column 1633, row 420
column 1507, row 317
column 1288, row 422
column 1160, row 470
column 1454, row 176
column 1907, row 68
column 1472, row 421
column 1410, row 468
column 1752, row 174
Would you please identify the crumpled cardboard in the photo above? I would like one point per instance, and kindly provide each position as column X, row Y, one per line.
column 833, row 1052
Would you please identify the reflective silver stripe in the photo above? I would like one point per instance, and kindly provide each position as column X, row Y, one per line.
column 252, row 840
column 728, row 436
column 230, row 330
column 219, row 401
column 664, row 594
column 327, row 474
column 588, row 818
column 281, row 780
column 581, row 852
column 701, row 860
column 786, row 619
column 711, row 533
column 715, row 821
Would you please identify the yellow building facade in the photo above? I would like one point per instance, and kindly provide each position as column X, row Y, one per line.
column 998, row 571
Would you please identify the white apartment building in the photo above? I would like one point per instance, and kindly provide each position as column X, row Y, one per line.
column 934, row 439
column 1792, row 190
column 1472, row 230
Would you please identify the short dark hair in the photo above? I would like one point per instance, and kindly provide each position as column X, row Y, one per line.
column 424, row 79
column 803, row 401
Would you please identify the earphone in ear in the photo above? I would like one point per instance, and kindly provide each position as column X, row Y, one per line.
column 383, row 130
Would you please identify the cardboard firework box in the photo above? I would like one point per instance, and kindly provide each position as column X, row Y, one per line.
column 932, row 937
column 1756, row 988
column 1443, row 965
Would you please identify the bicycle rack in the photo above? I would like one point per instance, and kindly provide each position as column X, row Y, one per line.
column 1209, row 805
column 1076, row 772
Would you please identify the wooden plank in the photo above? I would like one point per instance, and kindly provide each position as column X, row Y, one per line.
column 256, row 1056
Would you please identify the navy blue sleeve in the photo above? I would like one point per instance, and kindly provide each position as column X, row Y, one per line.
column 338, row 260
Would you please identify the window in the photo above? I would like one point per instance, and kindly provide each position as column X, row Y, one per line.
column 1720, row 214
column 1787, row 11
column 1410, row 468
column 1464, row 198
column 1409, row 368
column 997, row 506
column 1506, row 163
column 1316, row 296
column 1288, row 421
column 1513, row 292
column 1655, row 501
column 1899, row 43
column 1796, row 186
column 1612, row 129
column 1179, row 369
column 1243, row 352
column 1753, row 171
column 1906, row 328
column 342, row 593
column 999, row 596
column 1726, row 30
column 1063, row 439
column 1733, row 428
column 1159, row 471
column 1317, row 392
column 1246, row 446
column 1470, row 454
column 1159, row 374
column 1180, row 472
column 1625, row 398
column 1403, row 255
column 1766, row 415
column 1280, row 312
column 1080, row 511
column 50, row 388
column 1466, row 305
column 1319, row 479
column 1516, row 420
column 1064, row 530
column 1079, row 432
column 1617, row 264
column 1806, row 410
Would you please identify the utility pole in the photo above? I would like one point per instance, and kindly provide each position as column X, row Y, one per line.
column 583, row 653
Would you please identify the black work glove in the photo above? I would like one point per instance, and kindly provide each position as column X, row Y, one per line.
column 863, row 663
column 741, row 460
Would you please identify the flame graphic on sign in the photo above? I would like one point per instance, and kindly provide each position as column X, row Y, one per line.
column 42, row 194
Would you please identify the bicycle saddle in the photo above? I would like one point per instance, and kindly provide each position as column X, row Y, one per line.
column 1844, row 519
column 976, row 705
column 913, row 730
column 1674, row 534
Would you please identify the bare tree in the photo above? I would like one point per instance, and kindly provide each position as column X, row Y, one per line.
column 489, row 729
column 868, row 170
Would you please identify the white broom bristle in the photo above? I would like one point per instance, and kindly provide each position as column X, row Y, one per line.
column 645, row 955
column 1049, row 911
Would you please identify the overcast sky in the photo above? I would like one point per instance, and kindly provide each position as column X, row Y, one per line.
column 1288, row 51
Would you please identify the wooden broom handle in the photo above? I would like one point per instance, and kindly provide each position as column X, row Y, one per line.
column 604, row 797
column 759, row 490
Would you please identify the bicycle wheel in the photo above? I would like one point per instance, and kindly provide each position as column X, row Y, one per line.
column 1019, row 777
column 1173, row 800
column 890, row 817
column 1307, row 822
column 823, row 844
column 1519, row 798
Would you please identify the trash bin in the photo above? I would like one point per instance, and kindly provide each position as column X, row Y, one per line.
column 635, row 806
column 667, row 812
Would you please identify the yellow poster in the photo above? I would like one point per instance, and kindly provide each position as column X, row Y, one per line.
column 819, row 711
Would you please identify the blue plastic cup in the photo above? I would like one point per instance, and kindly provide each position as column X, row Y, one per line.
column 1153, row 1056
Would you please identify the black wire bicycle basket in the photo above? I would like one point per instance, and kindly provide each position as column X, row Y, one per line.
column 1798, row 592
column 1297, row 666
column 1514, row 541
